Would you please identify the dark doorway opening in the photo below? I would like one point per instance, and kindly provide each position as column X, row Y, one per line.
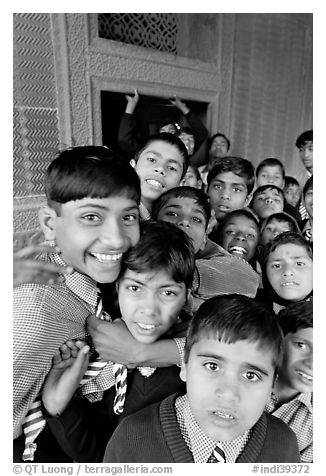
column 150, row 113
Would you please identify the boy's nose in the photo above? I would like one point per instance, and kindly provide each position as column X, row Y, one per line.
column 269, row 200
column 113, row 236
column 287, row 270
column 227, row 390
column 159, row 169
column 240, row 236
column 184, row 222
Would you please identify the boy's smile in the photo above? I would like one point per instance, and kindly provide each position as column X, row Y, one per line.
column 150, row 303
column 227, row 192
column 240, row 237
column 296, row 373
column 159, row 168
column 228, row 385
column 93, row 234
column 289, row 271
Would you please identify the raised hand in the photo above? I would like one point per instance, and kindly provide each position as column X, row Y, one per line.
column 132, row 102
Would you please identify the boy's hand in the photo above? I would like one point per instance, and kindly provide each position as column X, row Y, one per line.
column 114, row 342
column 132, row 102
column 28, row 270
column 180, row 105
column 68, row 367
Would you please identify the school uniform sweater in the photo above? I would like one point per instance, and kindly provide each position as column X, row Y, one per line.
column 152, row 435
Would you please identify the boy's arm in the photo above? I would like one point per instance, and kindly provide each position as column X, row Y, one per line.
column 127, row 139
column 200, row 131
column 115, row 343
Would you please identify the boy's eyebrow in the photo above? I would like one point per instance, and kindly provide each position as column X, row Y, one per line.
column 232, row 183
column 211, row 355
column 177, row 205
column 138, row 281
column 158, row 154
column 103, row 207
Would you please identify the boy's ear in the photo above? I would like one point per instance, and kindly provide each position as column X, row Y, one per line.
column 183, row 372
column 47, row 218
column 132, row 163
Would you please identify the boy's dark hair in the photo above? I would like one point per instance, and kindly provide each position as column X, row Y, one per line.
column 166, row 123
column 262, row 188
column 239, row 166
column 219, row 134
column 270, row 162
column 162, row 247
column 290, row 181
column 199, row 197
column 303, row 138
column 307, row 186
column 282, row 217
column 233, row 317
column 296, row 316
column 89, row 171
column 243, row 212
column 288, row 237
column 186, row 130
column 171, row 139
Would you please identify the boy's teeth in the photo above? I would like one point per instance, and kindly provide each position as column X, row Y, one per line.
column 154, row 183
column 238, row 249
column 105, row 258
column 224, row 415
column 306, row 376
column 146, row 327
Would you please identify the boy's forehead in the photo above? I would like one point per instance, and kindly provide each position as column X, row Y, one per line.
column 229, row 177
column 112, row 202
column 273, row 168
column 292, row 249
column 305, row 334
column 270, row 191
column 165, row 150
column 183, row 203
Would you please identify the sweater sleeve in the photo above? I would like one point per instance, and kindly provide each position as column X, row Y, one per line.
column 127, row 135
column 83, row 428
column 200, row 131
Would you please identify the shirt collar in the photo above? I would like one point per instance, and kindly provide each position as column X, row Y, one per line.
column 202, row 446
column 305, row 398
column 80, row 284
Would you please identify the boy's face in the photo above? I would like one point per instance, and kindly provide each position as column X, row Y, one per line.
column 306, row 155
column 240, row 237
column 150, row 303
column 292, row 194
column 93, row 234
column 267, row 202
column 190, row 179
column 297, row 367
column 227, row 192
column 159, row 168
column 187, row 215
column 228, row 385
column 270, row 174
column 189, row 141
column 289, row 271
column 272, row 229
column 309, row 202
column 168, row 128
column 218, row 148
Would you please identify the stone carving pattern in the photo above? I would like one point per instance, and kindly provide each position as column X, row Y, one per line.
column 149, row 30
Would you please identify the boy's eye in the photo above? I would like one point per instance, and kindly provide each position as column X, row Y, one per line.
column 251, row 376
column 197, row 220
column 217, row 186
column 212, row 366
column 133, row 288
column 237, row 189
column 229, row 232
column 172, row 168
column 131, row 217
column 91, row 217
column 300, row 263
column 251, row 236
column 168, row 293
column 301, row 345
column 171, row 214
column 151, row 159
column 276, row 266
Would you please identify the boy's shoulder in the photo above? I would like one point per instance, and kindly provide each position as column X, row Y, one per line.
column 271, row 441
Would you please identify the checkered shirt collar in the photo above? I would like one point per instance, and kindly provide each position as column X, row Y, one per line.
column 80, row 284
column 201, row 445
column 305, row 398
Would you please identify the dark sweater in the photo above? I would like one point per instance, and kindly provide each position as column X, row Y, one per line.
column 152, row 435
column 84, row 428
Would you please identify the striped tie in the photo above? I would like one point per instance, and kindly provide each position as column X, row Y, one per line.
column 218, row 455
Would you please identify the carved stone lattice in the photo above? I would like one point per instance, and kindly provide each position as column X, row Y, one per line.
column 150, row 30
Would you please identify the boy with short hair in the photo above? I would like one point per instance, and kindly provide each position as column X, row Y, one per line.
column 266, row 200
column 230, row 184
column 292, row 191
column 292, row 394
column 160, row 165
column 218, row 147
column 270, row 171
column 153, row 287
column 92, row 216
column 216, row 271
column 233, row 350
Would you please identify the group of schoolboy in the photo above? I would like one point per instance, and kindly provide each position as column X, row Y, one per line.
column 189, row 361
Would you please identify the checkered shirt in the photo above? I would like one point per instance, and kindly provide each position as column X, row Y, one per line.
column 298, row 414
column 200, row 445
column 45, row 316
